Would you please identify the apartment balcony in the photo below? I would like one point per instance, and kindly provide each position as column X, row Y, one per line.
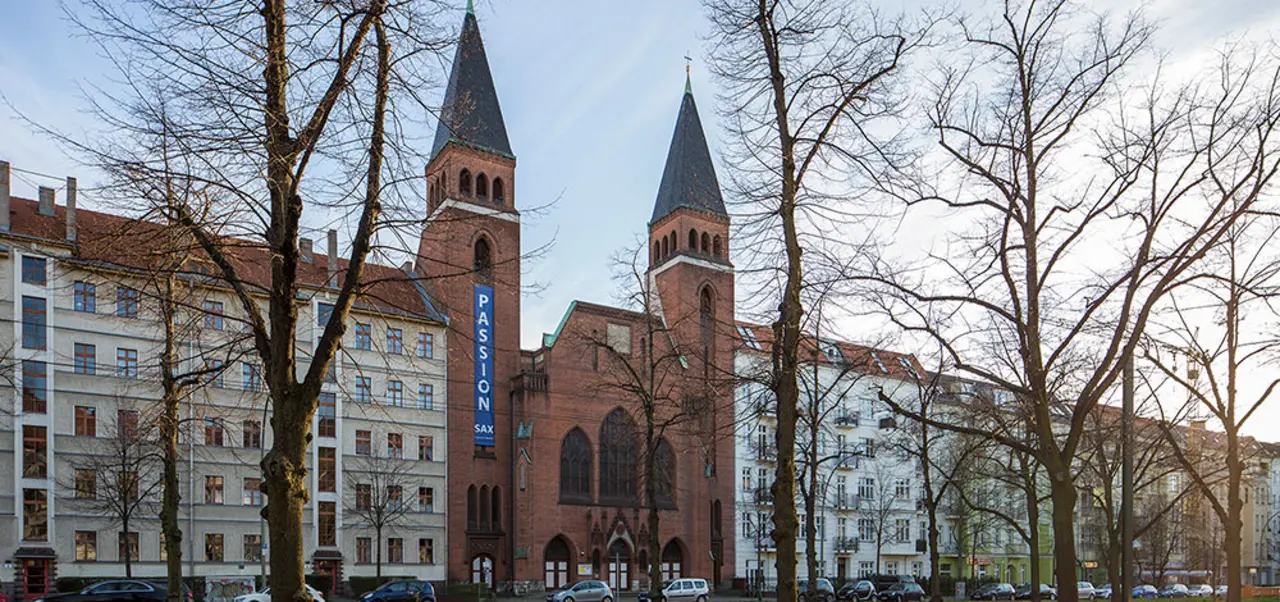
column 763, row 496
column 922, row 546
column 765, row 453
column 844, row 501
column 766, row 408
column 846, row 545
column 849, row 420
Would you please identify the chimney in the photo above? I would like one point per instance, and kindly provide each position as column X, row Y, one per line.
column 407, row 267
column 333, row 255
column 71, row 209
column 305, row 248
column 4, row 195
column 1198, row 424
column 45, row 206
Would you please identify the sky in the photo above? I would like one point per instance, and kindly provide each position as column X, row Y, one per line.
column 589, row 90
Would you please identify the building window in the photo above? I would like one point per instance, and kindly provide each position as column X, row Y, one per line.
column 395, row 341
column 34, row 319
column 426, row 397
column 35, row 387
column 395, row 550
column 86, row 484
column 364, row 443
column 575, row 467
column 127, row 546
column 213, row 369
column 327, row 477
column 464, row 183
column 426, row 551
column 618, row 453
column 866, row 529
column 328, row 524
column 395, row 393
column 127, row 363
column 327, row 415
column 252, row 434
column 867, row 488
column 426, row 447
column 85, row 297
column 86, row 421
column 395, row 498
column 364, row 389
column 323, row 312
column 213, row 432
column 35, row 447
column 252, row 492
column 498, row 190
column 395, row 446
column 364, row 550
column 252, row 547
column 85, row 359
column 364, row 336
column 482, row 187
column 213, row 489
column 127, row 423
column 126, row 302
column 213, row 315
column 901, row 529
column 213, row 547
column 426, row 345
column 251, row 377
column 902, row 489
column 35, row 270
column 127, row 484
column 35, row 515
column 426, row 499
column 86, row 546
column 364, row 496
column 483, row 259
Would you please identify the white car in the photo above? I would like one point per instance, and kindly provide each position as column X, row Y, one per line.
column 265, row 596
column 1200, row 591
column 1085, row 591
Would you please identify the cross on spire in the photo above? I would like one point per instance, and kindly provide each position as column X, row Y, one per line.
column 688, row 62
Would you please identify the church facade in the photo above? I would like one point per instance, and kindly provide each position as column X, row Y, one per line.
column 548, row 448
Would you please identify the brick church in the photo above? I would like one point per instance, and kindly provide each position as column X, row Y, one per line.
column 547, row 447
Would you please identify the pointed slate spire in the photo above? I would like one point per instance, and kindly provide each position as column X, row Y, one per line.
column 471, row 114
column 689, row 178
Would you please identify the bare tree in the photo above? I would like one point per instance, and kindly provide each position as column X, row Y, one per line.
column 1041, row 158
column 808, row 83
column 884, row 506
column 117, row 481
column 376, row 498
column 261, row 106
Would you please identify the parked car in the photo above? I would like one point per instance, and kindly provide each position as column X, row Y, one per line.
column 402, row 591
column 824, row 591
column 1145, row 591
column 265, row 595
column 1103, row 592
column 883, row 582
column 1174, row 590
column 583, row 591
column 1085, row 591
column 1220, row 591
column 1200, row 591
column 993, row 591
column 857, row 592
column 902, row 592
column 131, row 590
column 1046, row 592
column 686, row 590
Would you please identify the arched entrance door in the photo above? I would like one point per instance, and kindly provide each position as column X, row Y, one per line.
column 556, row 563
column 672, row 561
column 619, row 560
column 482, row 570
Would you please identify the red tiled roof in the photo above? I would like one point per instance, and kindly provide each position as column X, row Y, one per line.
column 116, row 241
column 868, row 359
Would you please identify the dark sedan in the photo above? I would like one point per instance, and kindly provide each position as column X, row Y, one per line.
column 993, row 591
column 402, row 591
column 902, row 592
column 120, row 590
column 1046, row 592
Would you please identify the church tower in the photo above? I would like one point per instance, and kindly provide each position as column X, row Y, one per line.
column 470, row 256
column 692, row 281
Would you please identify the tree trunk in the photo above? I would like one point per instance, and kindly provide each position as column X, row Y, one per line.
column 651, row 502
column 285, row 469
column 935, row 556
column 128, row 558
column 378, row 553
column 172, row 498
column 1033, row 529
column 1232, row 522
column 811, row 518
column 1063, row 492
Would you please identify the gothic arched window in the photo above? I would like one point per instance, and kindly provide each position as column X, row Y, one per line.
column 664, row 466
column 483, row 264
column 499, row 193
column 575, row 467
column 715, row 246
column 471, row 506
column 496, row 508
column 706, row 242
column 693, row 239
column 618, row 458
column 482, row 186
column 484, row 507
column 464, row 183
column 666, row 248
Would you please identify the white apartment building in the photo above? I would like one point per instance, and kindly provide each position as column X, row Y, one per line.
column 868, row 490
column 82, row 371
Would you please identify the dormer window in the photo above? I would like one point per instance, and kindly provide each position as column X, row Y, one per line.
column 464, row 183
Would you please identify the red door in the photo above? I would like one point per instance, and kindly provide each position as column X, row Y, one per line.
column 35, row 577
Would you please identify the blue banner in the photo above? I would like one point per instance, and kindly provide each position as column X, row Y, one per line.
column 484, row 364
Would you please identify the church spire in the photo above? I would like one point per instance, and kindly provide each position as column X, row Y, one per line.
column 689, row 178
column 471, row 115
